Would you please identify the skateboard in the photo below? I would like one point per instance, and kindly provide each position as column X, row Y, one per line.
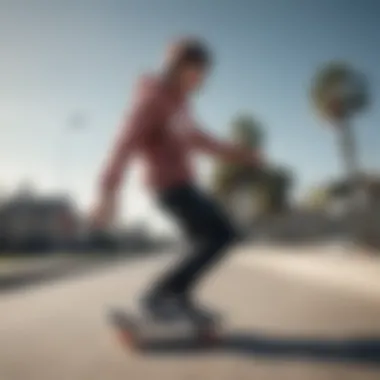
column 141, row 334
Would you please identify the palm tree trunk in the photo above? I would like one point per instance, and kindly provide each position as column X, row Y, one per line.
column 356, row 197
column 347, row 147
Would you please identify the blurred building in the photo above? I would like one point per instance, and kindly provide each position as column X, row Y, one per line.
column 32, row 222
column 338, row 194
column 136, row 237
column 355, row 204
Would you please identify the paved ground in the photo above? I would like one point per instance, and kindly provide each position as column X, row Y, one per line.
column 15, row 265
column 281, row 325
column 19, row 272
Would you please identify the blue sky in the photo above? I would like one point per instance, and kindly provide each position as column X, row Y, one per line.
column 63, row 57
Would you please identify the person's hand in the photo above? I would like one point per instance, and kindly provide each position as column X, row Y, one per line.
column 104, row 211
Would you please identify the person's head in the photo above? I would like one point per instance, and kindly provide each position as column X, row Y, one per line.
column 188, row 62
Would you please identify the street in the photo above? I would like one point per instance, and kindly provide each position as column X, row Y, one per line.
column 279, row 324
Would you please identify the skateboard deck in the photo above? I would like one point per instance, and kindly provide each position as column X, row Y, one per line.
column 141, row 334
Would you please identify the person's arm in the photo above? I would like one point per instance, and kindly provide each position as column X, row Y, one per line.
column 144, row 117
column 227, row 151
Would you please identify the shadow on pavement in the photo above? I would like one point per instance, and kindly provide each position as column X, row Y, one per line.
column 351, row 350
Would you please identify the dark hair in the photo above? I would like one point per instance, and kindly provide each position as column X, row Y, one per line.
column 189, row 51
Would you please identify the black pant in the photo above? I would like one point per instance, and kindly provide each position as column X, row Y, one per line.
column 208, row 230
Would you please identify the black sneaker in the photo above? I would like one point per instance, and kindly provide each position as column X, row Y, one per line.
column 171, row 308
column 198, row 311
column 164, row 308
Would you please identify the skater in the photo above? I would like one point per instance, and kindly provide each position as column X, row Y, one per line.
column 161, row 131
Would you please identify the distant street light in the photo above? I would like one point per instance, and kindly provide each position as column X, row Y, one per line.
column 76, row 121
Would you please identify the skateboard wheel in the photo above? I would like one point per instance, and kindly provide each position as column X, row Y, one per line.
column 127, row 338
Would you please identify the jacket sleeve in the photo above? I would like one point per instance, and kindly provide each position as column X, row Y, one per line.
column 145, row 116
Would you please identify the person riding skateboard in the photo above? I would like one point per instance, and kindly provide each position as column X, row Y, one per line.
column 160, row 129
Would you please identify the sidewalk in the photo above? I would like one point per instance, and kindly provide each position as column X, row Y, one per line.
column 20, row 271
column 276, row 325
column 24, row 271
column 14, row 265
column 325, row 266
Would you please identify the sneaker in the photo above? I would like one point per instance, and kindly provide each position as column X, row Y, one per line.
column 164, row 308
column 198, row 311
column 171, row 308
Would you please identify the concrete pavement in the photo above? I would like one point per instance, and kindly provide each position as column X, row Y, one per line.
column 281, row 326
column 22, row 272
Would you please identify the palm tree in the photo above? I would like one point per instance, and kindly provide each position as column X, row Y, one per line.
column 246, row 192
column 339, row 92
column 245, row 131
